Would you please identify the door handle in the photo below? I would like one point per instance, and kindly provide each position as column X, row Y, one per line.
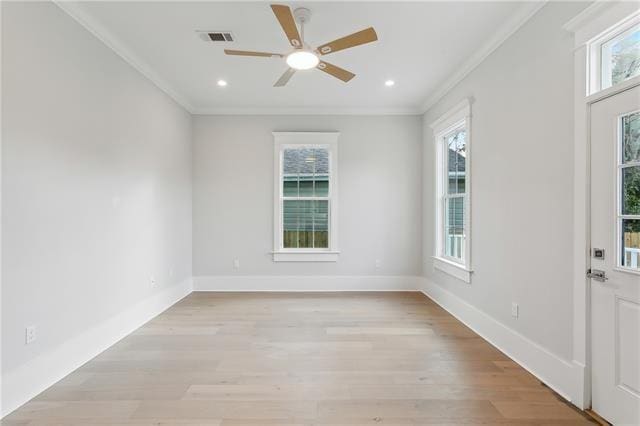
column 597, row 275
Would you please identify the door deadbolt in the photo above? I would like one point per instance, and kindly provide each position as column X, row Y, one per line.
column 597, row 253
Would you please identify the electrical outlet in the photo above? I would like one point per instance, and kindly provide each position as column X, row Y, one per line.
column 378, row 263
column 236, row 263
column 152, row 279
column 30, row 334
column 514, row 310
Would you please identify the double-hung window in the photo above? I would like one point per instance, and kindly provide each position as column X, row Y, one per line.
column 305, row 201
column 453, row 187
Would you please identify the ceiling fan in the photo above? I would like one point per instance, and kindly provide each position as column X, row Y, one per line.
column 303, row 56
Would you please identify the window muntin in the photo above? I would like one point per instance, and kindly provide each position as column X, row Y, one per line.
column 628, row 215
column 454, row 193
column 305, row 197
column 620, row 57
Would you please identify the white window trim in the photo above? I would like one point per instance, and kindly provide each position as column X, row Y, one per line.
column 457, row 116
column 284, row 140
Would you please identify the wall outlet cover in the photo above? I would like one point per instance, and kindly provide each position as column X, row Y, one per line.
column 30, row 334
column 514, row 310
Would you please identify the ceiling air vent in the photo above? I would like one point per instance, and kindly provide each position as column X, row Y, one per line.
column 217, row 36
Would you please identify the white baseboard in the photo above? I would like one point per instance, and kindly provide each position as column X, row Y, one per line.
column 559, row 374
column 307, row 283
column 28, row 380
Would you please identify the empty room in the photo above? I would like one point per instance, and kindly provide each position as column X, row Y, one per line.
column 312, row 213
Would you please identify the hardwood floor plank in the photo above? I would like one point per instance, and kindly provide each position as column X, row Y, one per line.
column 312, row 359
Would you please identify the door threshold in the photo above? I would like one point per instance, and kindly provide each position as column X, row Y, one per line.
column 595, row 416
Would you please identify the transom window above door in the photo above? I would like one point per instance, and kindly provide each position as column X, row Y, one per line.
column 614, row 56
column 620, row 57
column 305, row 199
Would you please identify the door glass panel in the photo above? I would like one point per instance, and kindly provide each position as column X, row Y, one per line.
column 621, row 57
column 631, row 137
column 631, row 190
column 631, row 243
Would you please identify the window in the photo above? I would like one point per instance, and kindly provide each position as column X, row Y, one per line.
column 614, row 56
column 628, row 215
column 453, row 166
column 305, row 201
column 620, row 57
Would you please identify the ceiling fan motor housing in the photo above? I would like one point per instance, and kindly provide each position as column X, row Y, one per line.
column 302, row 15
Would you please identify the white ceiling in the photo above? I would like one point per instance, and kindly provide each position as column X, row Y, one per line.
column 423, row 46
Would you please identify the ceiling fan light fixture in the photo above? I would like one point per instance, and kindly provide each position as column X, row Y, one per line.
column 302, row 60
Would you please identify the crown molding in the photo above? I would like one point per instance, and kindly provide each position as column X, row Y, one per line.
column 600, row 18
column 578, row 21
column 105, row 36
column 110, row 40
column 306, row 111
column 503, row 33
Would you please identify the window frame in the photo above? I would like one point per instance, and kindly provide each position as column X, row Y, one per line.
column 595, row 57
column 457, row 117
column 282, row 141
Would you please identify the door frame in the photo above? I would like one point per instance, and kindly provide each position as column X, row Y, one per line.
column 598, row 18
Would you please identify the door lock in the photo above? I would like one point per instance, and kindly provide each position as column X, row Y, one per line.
column 598, row 253
column 597, row 275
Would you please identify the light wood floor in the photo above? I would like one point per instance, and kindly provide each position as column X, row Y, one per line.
column 299, row 359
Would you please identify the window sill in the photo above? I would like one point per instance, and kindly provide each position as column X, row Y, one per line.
column 305, row 256
column 454, row 269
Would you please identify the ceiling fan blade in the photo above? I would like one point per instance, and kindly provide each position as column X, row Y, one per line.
column 249, row 53
column 288, row 24
column 284, row 78
column 356, row 39
column 335, row 71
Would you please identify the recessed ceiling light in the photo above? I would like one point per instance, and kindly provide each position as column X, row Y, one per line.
column 222, row 83
column 389, row 83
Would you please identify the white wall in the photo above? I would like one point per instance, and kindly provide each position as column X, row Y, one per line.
column 522, row 153
column 379, row 200
column 96, row 186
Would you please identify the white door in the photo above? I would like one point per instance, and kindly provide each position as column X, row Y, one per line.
column 615, row 229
